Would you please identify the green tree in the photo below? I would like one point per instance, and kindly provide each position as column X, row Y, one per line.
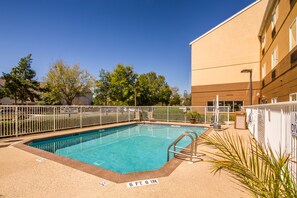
column 20, row 83
column 48, row 97
column 165, row 92
column 64, row 83
column 144, row 94
column 152, row 89
column 186, row 99
column 102, row 89
column 259, row 170
column 175, row 98
column 2, row 94
column 122, row 85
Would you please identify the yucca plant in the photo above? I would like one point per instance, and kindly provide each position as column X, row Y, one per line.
column 258, row 169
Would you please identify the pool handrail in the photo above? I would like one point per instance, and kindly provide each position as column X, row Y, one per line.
column 193, row 148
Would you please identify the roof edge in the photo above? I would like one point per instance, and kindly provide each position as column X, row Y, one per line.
column 226, row 21
column 269, row 7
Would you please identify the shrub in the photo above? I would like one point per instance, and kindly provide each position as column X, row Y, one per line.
column 257, row 168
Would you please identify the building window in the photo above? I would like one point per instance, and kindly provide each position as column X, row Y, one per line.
column 263, row 70
column 292, row 3
column 293, row 35
column 293, row 97
column 274, row 18
column 274, row 59
column 274, row 100
column 233, row 106
column 230, row 105
column 238, row 105
column 273, row 74
column 210, row 106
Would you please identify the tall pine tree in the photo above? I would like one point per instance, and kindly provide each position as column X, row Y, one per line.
column 20, row 83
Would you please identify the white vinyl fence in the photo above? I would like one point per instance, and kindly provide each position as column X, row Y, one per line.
column 26, row 119
column 275, row 125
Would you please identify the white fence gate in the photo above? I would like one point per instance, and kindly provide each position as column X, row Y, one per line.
column 275, row 125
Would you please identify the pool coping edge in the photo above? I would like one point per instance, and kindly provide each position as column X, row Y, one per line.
column 112, row 176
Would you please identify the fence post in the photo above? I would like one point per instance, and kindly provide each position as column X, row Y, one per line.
column 80, row 121
column 257, row 123
column 282, row 143
column 205, row 112
column 16, row 122
column 54, row 118
column 117, row 115
column 128, row 114
column 167, row 114
column 100, row 117
column 228, row 118
column 185, row 115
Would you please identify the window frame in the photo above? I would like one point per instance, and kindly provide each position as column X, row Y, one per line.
column 274, row 58
column 209, row 106
column 274, row 19
column 223, row 103
column 290, row 34
column 236, row 101
column 274, row 100
column 293, row 94
column 263, row 68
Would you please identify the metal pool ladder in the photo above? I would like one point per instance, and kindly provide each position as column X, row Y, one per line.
column 193, row 147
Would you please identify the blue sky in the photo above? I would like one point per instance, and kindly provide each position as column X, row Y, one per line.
column 150, row 35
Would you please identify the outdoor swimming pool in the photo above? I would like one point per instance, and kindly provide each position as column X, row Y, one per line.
column 125, row 149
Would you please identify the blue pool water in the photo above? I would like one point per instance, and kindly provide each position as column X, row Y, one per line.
column 126, row 149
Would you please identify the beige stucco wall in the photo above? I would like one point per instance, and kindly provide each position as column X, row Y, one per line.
column 219, row 56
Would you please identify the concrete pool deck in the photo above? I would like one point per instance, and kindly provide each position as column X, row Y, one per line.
column 22, row 176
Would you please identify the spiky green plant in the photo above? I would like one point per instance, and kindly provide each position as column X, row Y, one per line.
column 258, row 169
